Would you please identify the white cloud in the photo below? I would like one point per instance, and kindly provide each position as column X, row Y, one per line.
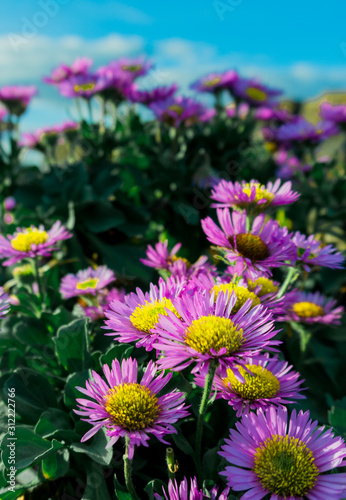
column 27, row 59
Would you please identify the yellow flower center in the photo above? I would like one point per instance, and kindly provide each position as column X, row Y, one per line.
column 285, row 466
column 178, row 109
column 261, row 194
column 145, row 317
column 132, row 406
column 84, row 87
column 89, row 283
column 307, row 309
column 213, row 332
column 256, row 94
column 212, row 82
column 258, row 384
column 31, row 236
column 267, row 286
column 250, row 246
column 242, row 293
column 132, row 68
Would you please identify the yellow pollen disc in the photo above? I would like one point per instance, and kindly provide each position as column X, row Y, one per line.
column 213, row 332
column 170, row 260
column 89, row 283
column 146, row 316
column 258, row 384
column 212, row 82
column 307, row 309
column 178, row 109
column 267, row 286
column 250, row 246
column 285, row 466
column 84, row 87
column 132, row 406
column 261, row 194
column 133, row 68
column 256, row 94
column 242, row 293
column 31, row 236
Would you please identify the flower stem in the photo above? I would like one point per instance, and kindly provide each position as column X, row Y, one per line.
column 209, row 379
column 128, row 471
column 38, row 280
column 291, row 277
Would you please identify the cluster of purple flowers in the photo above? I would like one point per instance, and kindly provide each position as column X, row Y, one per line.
column 218, row 323
column 224, row 325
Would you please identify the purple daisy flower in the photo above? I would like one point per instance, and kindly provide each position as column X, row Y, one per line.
column 215, row 82
column 31, row 242
column 9, row 203
column 311, row 307
column 157, row 94
column 135, row 318
column 179, row 267
column 266, row 245
column 29, row 140
column 86, row 282
column 181, row 491
column 258, row 384
column 291, row 167
column 102, row 300
column 286, row 459
column 85, row 85
column 303, row 131
column 130, row 408
column 253, row 195
column 310, row 252
column 255, row 93
column 17, row 98
column 336, row 114
column 63, row 72
column 131, row 68
column 272, row 114
column 261, row 290
column 241, row 110
column 177, row 111
column 205, row 331
column 4, row 303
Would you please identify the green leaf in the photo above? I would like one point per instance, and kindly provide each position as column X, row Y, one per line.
column 31, row 331
column 210, row 463
column 34, row 394
column 96, row 487
column 182, row 443
column 29, row 448
column 55, row 423
column 154, row 486
column 116, row 352
column 121, row 491
column 95, row 448
column 73, row 381
column 57, row 465
column 337, row 417
column 101, row 216
column 72, row 345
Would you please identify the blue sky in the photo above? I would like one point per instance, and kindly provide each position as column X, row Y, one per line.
column 299, row 46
